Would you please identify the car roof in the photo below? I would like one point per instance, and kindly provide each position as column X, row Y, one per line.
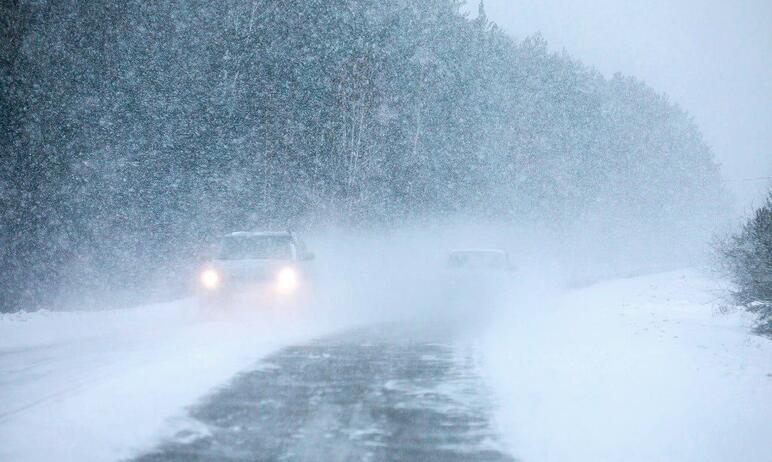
column 497, row 251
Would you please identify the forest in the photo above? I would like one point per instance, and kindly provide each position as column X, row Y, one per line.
column 133, row 132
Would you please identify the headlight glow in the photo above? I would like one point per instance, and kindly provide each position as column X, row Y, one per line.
column 210, row 279
column 287, row 280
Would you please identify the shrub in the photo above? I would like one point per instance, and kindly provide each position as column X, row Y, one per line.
column 748, row 258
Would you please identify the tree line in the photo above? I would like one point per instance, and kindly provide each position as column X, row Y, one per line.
column 134, row 131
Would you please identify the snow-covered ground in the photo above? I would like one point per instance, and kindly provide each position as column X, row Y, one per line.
column 101, row 385
column 639, row 369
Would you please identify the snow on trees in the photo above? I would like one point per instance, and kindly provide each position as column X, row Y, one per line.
column 128, row 122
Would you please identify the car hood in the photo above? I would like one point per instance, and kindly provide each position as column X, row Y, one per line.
column 250, row 270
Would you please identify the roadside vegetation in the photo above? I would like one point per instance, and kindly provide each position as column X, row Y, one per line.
column 747, row 259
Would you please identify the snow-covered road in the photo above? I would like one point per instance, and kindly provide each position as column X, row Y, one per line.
column 102, row 385
column 632, row 369
column 381, row 393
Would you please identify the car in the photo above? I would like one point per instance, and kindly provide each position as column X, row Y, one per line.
column 479, row 259
column 475, row 283
column 256, row 266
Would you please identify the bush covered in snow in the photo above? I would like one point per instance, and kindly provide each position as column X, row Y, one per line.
column 748, row 257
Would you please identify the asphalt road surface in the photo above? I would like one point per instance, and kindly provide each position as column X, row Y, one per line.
column 389, row 393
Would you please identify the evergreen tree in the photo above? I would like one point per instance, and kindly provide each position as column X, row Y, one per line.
column 126, row 123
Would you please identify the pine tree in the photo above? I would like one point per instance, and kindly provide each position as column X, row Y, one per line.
column 482, row 18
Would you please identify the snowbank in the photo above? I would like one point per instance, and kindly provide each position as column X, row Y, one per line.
column 638, row 369
column 102, row 385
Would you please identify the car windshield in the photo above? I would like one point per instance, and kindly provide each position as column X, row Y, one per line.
column 256, row 248
column 478, row 259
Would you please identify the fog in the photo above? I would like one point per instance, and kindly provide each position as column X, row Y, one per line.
column 549, row 344
column 594, row 154
column 711, row 57
column 361, row 117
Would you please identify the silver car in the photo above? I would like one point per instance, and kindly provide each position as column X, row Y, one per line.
column 257, row 267
column 480, row 259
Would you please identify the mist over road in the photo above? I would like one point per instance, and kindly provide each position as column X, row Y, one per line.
column 389, row 392
column 458, row 374
column 364, row 230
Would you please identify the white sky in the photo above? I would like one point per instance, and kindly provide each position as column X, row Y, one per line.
column 712, row 57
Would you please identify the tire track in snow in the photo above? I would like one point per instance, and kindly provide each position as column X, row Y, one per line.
column 377, row 394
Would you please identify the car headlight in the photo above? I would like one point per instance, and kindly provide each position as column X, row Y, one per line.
column 287, row 280
column 210, row 279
